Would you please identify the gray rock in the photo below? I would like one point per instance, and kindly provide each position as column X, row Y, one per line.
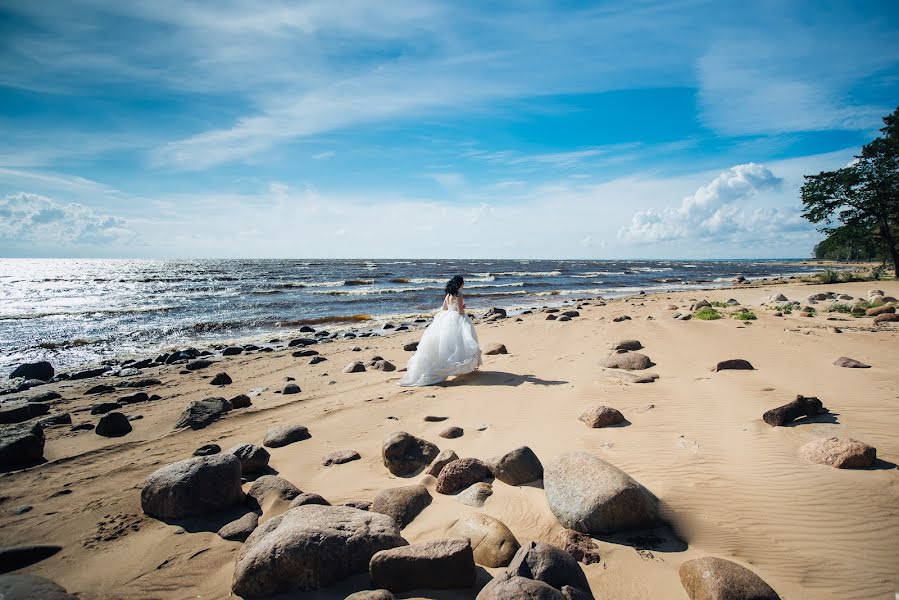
column 240, row 401
column 200, row 413
column 272, row 485
column 475, row 495
column 518, row 467
column 589, row 495
column 509, row 587
column 460, row 474
column 371, row 595
column 291, row 388
column 734, row 364
column 410, row 347
column 283, row 435
column 451, row 433
column 114, row 424
column 630, row 361
column 444, row 458
column 441, row 564
column 597, row 415
column 37, row 370
column 21, row 412
column 549, row 564
column 310, row 547
column 339, row 457
column 354, row 367
column 199, row 364
column 402, row 504
column 383, row 365
column 711, row 578
column 221, row 379
column 191, row 487
column 403, row 454
column 89, row 373
column 208, row 450
column 240, row 529
column 308, row 498
column 631, row 377
column 134, row 398
column 628, row 345
column 850, row 363
column 25, row 586
column 252, row 458
column 56, row 420
column 105, row 407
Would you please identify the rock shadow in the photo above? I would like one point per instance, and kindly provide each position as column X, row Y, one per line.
column 267, row 470
column 882, row 465
column 214, row 521
column 23, row 466
column 499, row 378
column 830, row 418
column 657, row 539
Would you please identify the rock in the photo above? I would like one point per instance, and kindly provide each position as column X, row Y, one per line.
column 25, row 586
column 711, row 578
column 304, row 353
column 310, row 547
column 501, row 312
column 732, row 302
column 13, row 558
column 880, row 310
column 410, row 347
column 621, row 318
column 20, row 412
column 308, row 498
column 45, row 397
column 114, row 424
column 102, row 388
column 140, row 383
column 580, row 546
column 597, row 416
column 354, row 367
column 340, row 457
column 240, row 401
column 589, row 495
column 232, row 351
column 432, row 418
column 873, row 293
column 196, row 365
column 451, row 433
column 840, row 453
column 105, row 407
column 37, row 370
column 283, row 435
column 442, row 564
column 402, row 504
column 734, row 364
column 475, row 495
column 460, row 474
column 494, row 349
column 371, row 595
column 683, row 317
column 360, row 504
column 196, row 486
column 134, row 398
column 444, row 458
column 221, row 379
column 627, row 345
column 272, row 485
column 887, row 318
column 317, row 359
column 240, row 529
column 82, row 427
column 630, row 377
column 493, row 543
column 551, row 317
column 629, row 361
column 56, row 420
column 802, row 406
column 850, row 363
column 518, row 467
column 89, row 373
column 301, row 342
column 404, row 454
column 549, row 564
column 200, row 413
column 291, row 388
column 383, row 365
column 509, row 587
column 671, row 307
column 22, row 445
column 777, row 298
column 571, row 314
column 208, row 450
column 252, row 458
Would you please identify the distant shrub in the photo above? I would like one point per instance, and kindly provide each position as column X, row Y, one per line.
column 878, row 272
column 828, row 276
column 808, row 309
column 840, row 308
column 719, row 304
column 707, row 313
column 745, row 315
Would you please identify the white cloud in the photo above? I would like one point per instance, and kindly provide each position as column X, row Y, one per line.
column 31, row 218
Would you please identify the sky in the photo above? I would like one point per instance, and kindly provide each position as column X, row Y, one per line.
column 431, row 129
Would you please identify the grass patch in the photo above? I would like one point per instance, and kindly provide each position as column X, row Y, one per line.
column 840, row 308
column 745, row 315
column 828, row 276
column 809, row 309
column 719, row 304
column 707, row 313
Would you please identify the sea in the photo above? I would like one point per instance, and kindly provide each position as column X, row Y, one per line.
column 76, row 312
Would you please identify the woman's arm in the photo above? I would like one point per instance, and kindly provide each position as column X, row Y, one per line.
column 460, row 304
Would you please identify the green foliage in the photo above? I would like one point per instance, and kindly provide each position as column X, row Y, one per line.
column 745, row 315
column 808, row 309
column 719, row 304
column 863, row 196
column 828, row 276
column 878, row 272
column 840, row 308
column 707, row 313
column 850, row 243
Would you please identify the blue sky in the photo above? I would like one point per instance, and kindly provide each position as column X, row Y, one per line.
column 430, row 129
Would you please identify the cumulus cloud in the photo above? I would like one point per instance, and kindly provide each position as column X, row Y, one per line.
column 719, row 210
column 34, row 218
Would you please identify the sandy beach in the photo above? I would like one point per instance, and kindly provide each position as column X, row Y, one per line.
column 731, row 486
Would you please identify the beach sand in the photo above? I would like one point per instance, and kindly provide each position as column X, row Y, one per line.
column 731, row 485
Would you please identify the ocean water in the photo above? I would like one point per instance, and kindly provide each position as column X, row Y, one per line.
column 76, row 312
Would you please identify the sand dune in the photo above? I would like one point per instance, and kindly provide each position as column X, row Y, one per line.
column 731, row 485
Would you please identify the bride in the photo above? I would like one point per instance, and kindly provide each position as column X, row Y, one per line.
column 449, row 345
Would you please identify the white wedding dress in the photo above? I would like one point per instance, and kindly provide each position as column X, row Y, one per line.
column 448, row 347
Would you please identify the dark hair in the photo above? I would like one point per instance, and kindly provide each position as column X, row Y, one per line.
column 453, row 285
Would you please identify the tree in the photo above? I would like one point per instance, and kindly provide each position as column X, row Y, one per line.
column 849, row 243
column 864, row 195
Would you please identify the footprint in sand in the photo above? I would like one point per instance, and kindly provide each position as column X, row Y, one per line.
column 690, row 445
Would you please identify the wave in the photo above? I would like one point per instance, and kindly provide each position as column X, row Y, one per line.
column 373, row 292
column 76, row 343
column 490, row 294
column 652, row 269
column 87, row 311
column 590, row 274
column 358, row 282
column 527, row 273
column 266, row 292
column 493, row 285
column 325, row 320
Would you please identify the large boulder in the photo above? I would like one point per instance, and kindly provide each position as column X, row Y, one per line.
column 278, row 437
column 629, row 361
column 802, row 406
column 850, row 363
column 252, row 457
column 442, row 564
column 25, row 586
column 200, row 413
column 840, row 453
column 880, row 310
column 551, row 565
column 239, row 529
column 37, row 370
column 310, row 547
column 460, row 474
column 597, row 415
column 23, row 411
column 403, row 454
column 475, row 495
column 402, row 504
column 589, row 495
column 272, row 486
column 517, row 467
column 191, row 487
column 114, row 424
column 493, row 543
column 444, row 458
column 510, row 587
column 628, row 345
column 734, row 364
column 887, row 318
column 711, row 578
